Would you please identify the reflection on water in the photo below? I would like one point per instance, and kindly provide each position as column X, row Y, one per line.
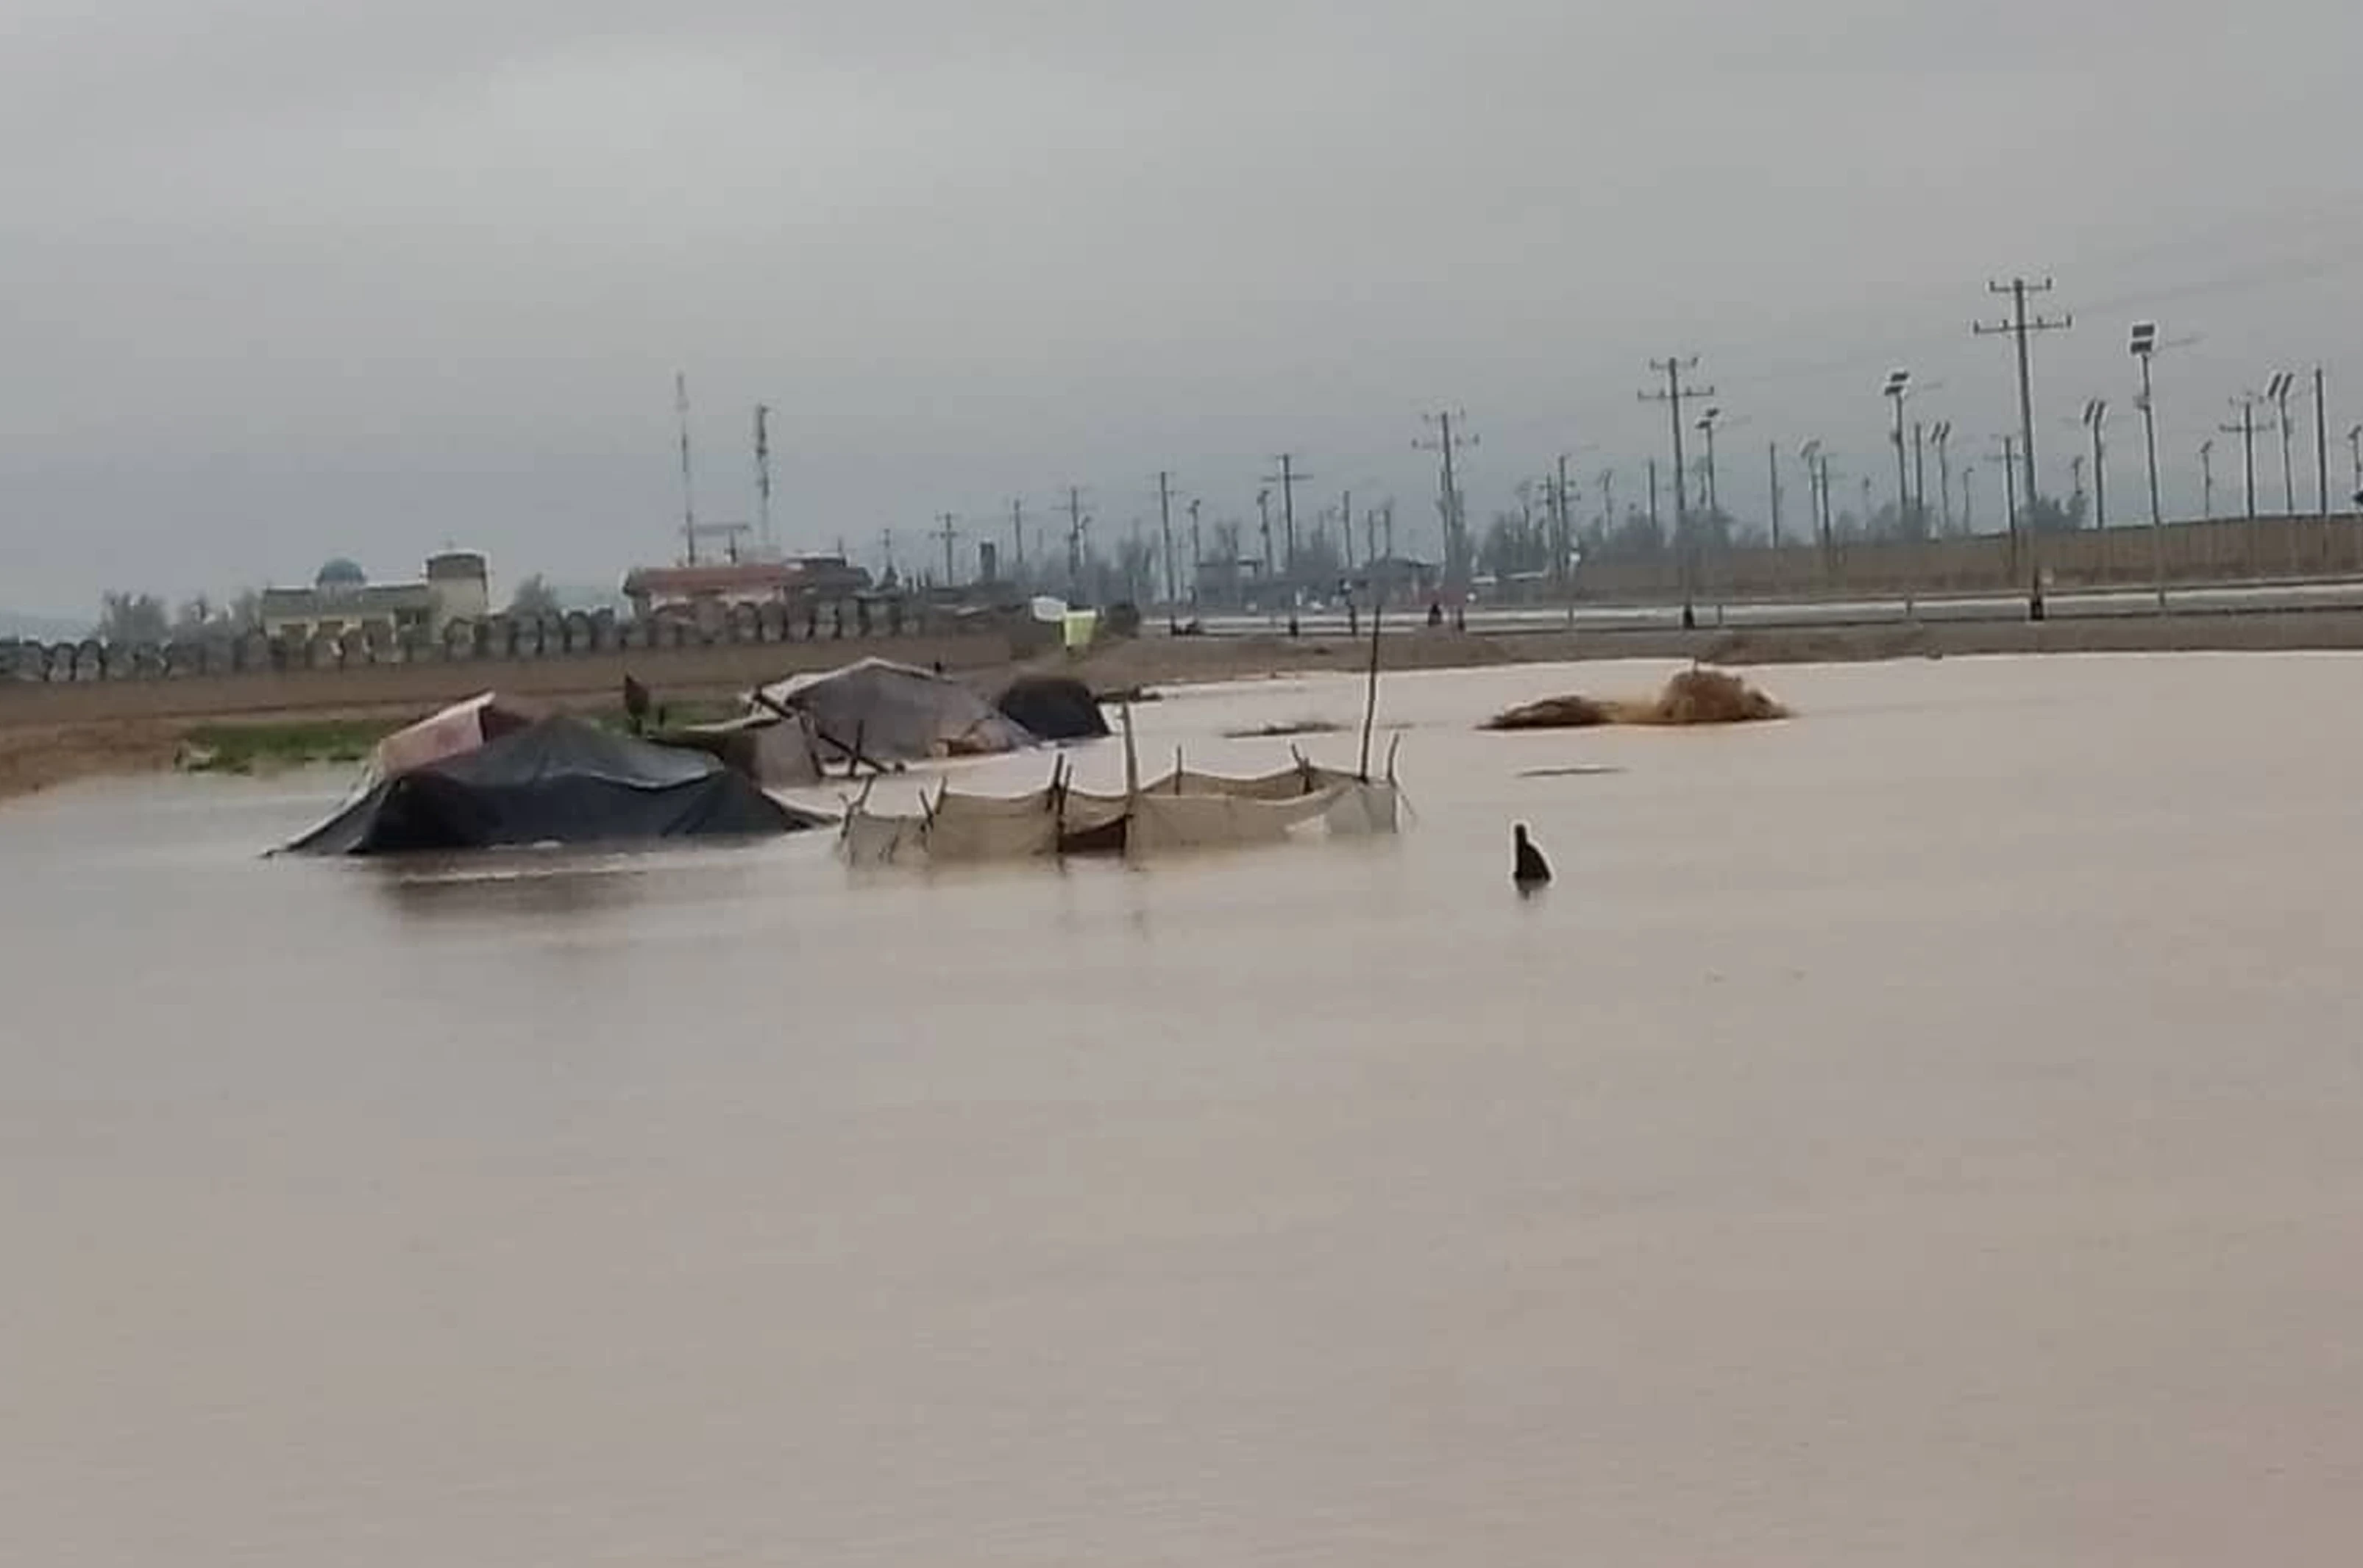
column 510, row 886
column 1921, row 1133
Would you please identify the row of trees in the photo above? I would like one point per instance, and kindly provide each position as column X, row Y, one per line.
column 1519, row 542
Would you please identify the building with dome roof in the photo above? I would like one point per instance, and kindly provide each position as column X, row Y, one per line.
column 456, row 587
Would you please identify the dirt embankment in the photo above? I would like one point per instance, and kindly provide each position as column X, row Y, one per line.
column 53, row 735
column 40, row 756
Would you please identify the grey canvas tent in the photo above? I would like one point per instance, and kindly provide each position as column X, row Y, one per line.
column 894, row 713
column 557, row 781
column 778, row 751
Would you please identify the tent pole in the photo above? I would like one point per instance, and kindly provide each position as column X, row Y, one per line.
column 1370, row 699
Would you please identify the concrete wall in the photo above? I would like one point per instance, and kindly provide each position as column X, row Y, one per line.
column 2221, row 551
column 677, row 672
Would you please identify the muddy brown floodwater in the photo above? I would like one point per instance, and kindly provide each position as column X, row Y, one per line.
column 1928, row 1131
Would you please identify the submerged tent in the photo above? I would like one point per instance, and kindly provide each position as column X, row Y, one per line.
column 777, row 751
column 894, row 713
column 1054, row 708
column 462, row 727
column 557, row 781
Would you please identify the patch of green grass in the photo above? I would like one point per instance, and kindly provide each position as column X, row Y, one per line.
column 676, row 714
column 251, row 747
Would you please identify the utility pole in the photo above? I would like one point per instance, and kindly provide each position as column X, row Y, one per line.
column 688, row 494
column 1608, row 499
column 1564, row 545
column 1165, row 526
column 2021, row 327
column 1075, row 525
column 1654, row 526
column 2355, row 445
column 1197, row 554
column 1969, row 501
column 2207, row 477
column 2320, row 446
column 1263, row 511
column 886, row 547
column 1446, row 442
column 1816, row 500
column 1287, row 479
column 764, row 476
column 2247, row 431
column 1673, row 367
column 950, row 531
column 1346, row 524
column 1772, row 473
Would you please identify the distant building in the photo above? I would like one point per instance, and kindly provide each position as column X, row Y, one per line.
column 718, row 586
column 457, row 587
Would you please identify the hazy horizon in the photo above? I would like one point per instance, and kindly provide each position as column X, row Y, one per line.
column 297, row 286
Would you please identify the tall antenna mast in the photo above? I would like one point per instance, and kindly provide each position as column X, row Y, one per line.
column 764, row 476
column 688, row 496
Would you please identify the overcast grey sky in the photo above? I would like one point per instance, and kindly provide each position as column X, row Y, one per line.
column 288, row 279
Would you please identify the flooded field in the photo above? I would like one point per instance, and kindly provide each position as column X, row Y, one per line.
column 1927, row 1132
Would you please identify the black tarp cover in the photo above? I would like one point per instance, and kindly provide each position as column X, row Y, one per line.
column 1054, row 708
column 557, row 781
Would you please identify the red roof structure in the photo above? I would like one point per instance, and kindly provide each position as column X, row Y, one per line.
column 722, row 580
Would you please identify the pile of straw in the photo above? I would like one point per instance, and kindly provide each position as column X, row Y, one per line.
column 1569, row 713
column 1696, row 696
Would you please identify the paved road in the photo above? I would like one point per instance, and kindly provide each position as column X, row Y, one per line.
column 2245, row 599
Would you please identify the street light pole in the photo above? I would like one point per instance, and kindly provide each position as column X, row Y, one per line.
column 1706, row 426
column 1899, row 383
column 2096, row 418
column 1941, row 432
column 1899, row 386
column 2278, row 391
column 2144, row 348
column 1919, row 479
